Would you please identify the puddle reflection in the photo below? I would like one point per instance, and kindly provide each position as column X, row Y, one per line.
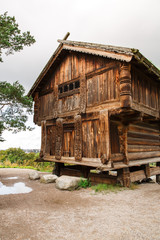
column 17, row 188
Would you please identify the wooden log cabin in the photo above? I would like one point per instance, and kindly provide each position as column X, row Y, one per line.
column 99, row 108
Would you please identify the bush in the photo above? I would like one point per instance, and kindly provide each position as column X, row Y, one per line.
column 16, row 157
column 84, row 183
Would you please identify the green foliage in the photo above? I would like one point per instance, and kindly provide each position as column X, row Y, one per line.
column 84, row 183
column 14, row 105
column 14, row 108
column 11, row 37
column 17, row 158
column 105, row 188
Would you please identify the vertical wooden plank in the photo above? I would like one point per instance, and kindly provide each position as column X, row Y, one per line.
column 59, row 138
column 83, row 94
column 78, row 138
column 104, row 136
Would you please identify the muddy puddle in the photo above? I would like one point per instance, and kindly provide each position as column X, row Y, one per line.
column 17, row 188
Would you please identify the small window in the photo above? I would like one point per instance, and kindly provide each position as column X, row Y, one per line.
column 66, row 88
column 60, row 90
column 71, row 86
column 77, row 84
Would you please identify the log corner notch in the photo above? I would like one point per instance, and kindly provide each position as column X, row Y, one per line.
column 78, row 138
column 59, row 138
column 125, row 86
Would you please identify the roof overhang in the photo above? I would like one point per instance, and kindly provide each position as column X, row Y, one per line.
column 112, row 52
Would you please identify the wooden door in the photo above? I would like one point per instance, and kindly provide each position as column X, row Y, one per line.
column 68, row 141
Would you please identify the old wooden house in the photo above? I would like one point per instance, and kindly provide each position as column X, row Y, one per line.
column 99, row 108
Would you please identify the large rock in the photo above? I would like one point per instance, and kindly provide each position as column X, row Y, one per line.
column 49, row 178
column 67, row 183
column 34, row 175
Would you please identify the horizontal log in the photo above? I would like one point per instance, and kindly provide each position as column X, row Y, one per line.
column 118, row 165
column 142, row 148
column 155, row 171
column 92, row 162
column 117, row 157
column 143, row 155
column 137, row 175
column 143, row 135
column 141, row 129
column 102, row 178
column 137, row 141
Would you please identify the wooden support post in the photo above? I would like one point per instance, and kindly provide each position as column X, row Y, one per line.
column 124, row 177
column 78, row 138
column 57, row 168
column 105, row 137
column 158, row 175
column 85, row 171
column 122, row 131
column 147, row 170
column 43, row 138
column 125, row 86
column 59, row 138
column 83, row 94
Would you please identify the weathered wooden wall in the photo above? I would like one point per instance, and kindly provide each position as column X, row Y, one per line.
column 102, row 85
column 143, row 141
column 145, row 91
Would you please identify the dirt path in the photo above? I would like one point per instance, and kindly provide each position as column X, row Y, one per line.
column 47, row 213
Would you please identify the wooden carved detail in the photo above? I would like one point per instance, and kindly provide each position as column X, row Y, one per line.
column 43, row 138
column 55, row 103
column 59, row 138
column 104, row 137
column 78, row 138
column 122, row 132
column 83, row 94
column 125, row 86
column 36, row 108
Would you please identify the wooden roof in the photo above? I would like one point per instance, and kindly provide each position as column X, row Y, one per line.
column 112, row 52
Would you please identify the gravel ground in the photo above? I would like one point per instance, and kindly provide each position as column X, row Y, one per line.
column 47, row 213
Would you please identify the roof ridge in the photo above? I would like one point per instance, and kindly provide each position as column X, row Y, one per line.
column 100, row 46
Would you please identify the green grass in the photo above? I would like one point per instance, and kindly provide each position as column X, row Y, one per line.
column 84, row 183
column 106, row 188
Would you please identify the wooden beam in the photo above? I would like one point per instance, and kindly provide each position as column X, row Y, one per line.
column 59, row 138
column 125, row 86
column 78, row 138
column 105, row 137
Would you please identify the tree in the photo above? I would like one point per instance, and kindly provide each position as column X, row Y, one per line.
column 14, row 105
column 14, row 108
column 11, row 38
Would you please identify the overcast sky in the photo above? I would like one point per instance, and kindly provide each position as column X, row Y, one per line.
column 127, row 23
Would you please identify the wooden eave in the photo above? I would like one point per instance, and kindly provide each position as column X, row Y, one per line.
column 108, row 51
